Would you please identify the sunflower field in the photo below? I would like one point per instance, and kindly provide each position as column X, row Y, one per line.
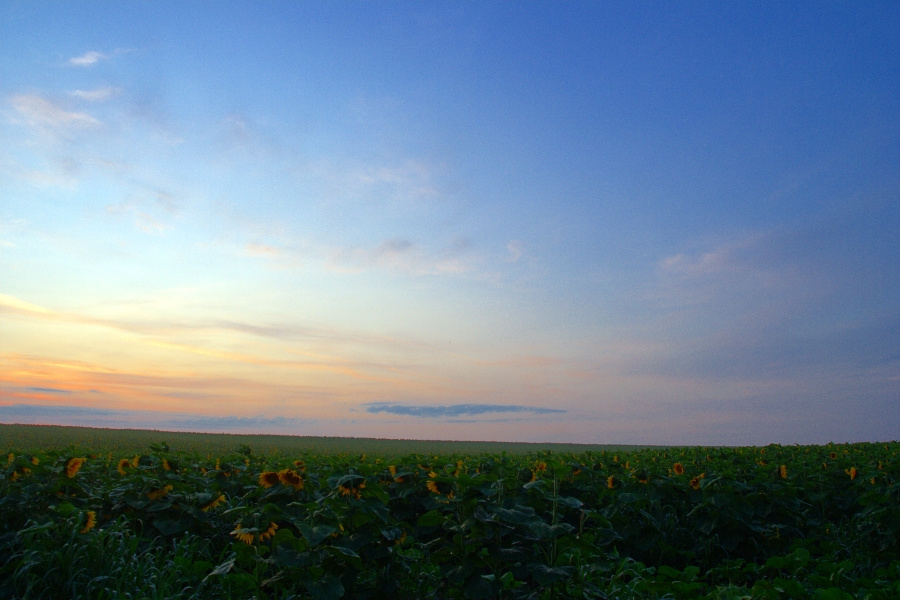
column 817, row 522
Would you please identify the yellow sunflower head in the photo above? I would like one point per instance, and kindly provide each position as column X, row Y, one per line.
column 268, row 533
column 243, row 535
column 213, row 503
column 290, row 478
column 73, row 465
column 158, row 493
column 268, row 478
column 89, row 522
column 678, row 468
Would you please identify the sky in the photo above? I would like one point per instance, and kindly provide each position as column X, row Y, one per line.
column 589, row 222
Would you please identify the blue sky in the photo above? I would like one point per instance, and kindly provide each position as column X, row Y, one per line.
column 606, row 222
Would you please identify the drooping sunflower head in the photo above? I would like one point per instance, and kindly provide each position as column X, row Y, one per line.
column 73, row 465
column 158, row 493
column 244, row 535
column 213, row 503
column 268, row 533
column 89, row 522
column 783, row 471
column 611, row 482
column 268, row 478
column 290, row 478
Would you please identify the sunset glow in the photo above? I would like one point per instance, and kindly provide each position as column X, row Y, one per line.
column 665, row 223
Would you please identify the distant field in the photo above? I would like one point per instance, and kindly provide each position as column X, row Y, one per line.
column 44, row 437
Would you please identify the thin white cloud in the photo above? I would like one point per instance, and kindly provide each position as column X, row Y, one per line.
column 151, row 214
column 262, row 250
column 402, row 256
column 39, row 111
column 98, row 95
column 514, row 247
column 87, row 59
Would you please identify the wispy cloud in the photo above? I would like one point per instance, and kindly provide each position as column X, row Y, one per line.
column 455, row 410
column 104, row 417
column 39, row 111
column 97, row 95
column 515, row 251
column 87, row 59
column 403, row 256
column 151, row 211
column 528, row 362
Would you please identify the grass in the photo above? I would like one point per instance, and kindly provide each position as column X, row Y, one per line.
column 43, row 437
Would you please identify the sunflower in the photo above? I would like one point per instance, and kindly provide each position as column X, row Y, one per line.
column 352, row 490
column 135, row 461
column 72, row 466
column 123, row 464
column 393, row 471
column 268, row 533
column 433, row 486
column 611, row 482
column 35, row 461
column 678, row 468
column 852, row 472
column 832, row 455
column 90, row 522
column 213, row 503
column 300, row 465
column 167, row 466
column 290, row 478
column 695, row 482
column 243, row 535
column 10, row 458
column 783, row 471
column 268, row 478
column 157, row 493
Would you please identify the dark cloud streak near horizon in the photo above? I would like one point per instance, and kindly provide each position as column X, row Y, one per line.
column 455, row 410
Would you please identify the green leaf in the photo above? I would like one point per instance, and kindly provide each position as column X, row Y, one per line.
column 832, row 593
column 569, row 501
column 223, row 568
column 327, row 588
column 516, row 516
column 316, row 535
column 432, row 518
column 172, row 526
